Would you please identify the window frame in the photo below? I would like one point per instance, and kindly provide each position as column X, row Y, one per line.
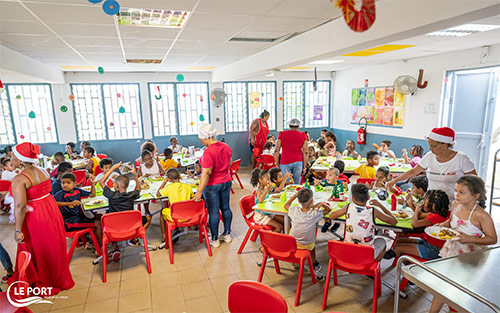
column 303, row 118
column 12, row 114
column 11, row 117
column 248, row 122
column 101, row 86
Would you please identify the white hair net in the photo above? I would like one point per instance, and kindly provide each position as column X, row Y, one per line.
column 207, row 131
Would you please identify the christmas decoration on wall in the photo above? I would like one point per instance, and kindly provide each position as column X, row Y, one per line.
column 64, row 108
column 100, row 70
column 111, row 7
column 121, row 110
column 179, row 77
column 420, row 78
column 202, row 118
column 358, row 21
column 71, row 98
column 31, row 114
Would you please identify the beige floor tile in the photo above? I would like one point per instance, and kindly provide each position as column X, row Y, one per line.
column 161, row 279
column 136, row 285
column 223, row 301
column 193, row 275
column 108, row 290
column 135, row 271
column 414, row 303
column 363, row 289
column 309, row 302
column 349, row 307
column 40, row 308
column 205, row 304
column 109, row 305
column 221, row 284
column 197, row 290
column 220, row 270
column 167, row 295
column 177, row 307
column 113, row 274
column 86, row 268
column 70, row 298
column 71, row 309
column 337, row 296
column 135, row 302
column 82, row 281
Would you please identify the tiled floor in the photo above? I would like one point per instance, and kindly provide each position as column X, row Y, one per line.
column 199, row 283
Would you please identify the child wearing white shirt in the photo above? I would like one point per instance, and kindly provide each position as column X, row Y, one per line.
column 9, row 171
column 304, row 220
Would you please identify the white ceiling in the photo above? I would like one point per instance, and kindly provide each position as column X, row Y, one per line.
column 78, row 33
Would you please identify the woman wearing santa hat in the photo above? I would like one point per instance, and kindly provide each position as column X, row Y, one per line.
column 39, row 224
column 443, row 165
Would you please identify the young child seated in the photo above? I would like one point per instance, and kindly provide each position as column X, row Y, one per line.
column 62, row 168
column 197, row 171
column 384, row 149
column 331, row 143
column 304, row 220
column 340, row 165
column 321, row 146
column 359, row 223
column 120, row 199
column 279, row 181
column 168, row 162
column 174, row 146
column 93, row 161
column 308, row 175
column 434, row 211
column 84, row 144
column 105, row 165
column 415, row 195
column 268, row 148
column 332, row 179
column 9, row 170
column 149, row 166
column 70, row 151
column 416, row 153
column 58, row 159
column 367, row 170
column 69, row 200
column 271, row 139
column 175, row 191
column 469, row 218
column 322, row 135
column 382, row 176
column 350, row 150
column 261, row 179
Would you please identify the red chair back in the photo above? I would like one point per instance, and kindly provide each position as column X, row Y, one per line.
column 365, row 181
column 189, row 211
column 121, row 224
column 5, row 185
column 102, row 156
column 98, row 170
column 280, row 246
column 349, row 255
column 267, row 161
column 235, row 167
column 246, row 206
column 80, row 177
column 252, row 296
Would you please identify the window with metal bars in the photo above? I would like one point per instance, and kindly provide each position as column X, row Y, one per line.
column 311, row 107
column 89, row 111
column 6, row 129
column 163, row 109
column 192, row 106
column 246, row 101
column 32, row 112
column 123, row 111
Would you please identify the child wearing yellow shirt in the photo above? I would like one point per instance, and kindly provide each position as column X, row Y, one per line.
column 175, row 191
column 368, row 170
column 88, row 153
column 168, row 162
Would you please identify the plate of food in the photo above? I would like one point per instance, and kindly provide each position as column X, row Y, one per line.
column 95, row 202
column 293, row 187
column 403, row 215
column 155, row 178
column 275, row 195
column 145, row 185
column 443, row 233
column 87, row 188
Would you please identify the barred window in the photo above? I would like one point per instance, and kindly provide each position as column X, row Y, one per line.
column 163, row 109
column 6, row 129
column 123, row 111
column 89, row 111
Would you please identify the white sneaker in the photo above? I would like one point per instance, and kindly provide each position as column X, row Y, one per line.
column 227, row 238
column 215, row 243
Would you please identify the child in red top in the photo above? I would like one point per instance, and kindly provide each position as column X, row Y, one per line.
column 434, row 211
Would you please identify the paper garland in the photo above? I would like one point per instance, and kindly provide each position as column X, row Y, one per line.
column 95, row 1
column 380, row 106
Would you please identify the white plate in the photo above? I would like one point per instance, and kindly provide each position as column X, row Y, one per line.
column 434, row 230
column 95, row 202
column 408, row 212
column 292, row 187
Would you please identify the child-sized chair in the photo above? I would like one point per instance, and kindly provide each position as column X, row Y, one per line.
column 284, row 248
column 365, row 181
column 102, row 156
column 352, row 258
column 80, row 176
column 121, row 226
column 267, row 162
column 235, row 167
column 185, row 214
column 4, row 187
column 246, row 204
column 80, row 234
column 23, row 261
column 250, row 296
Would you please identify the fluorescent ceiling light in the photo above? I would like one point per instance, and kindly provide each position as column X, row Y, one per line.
column 464, row 30
column 326, row 62
column 152, row 17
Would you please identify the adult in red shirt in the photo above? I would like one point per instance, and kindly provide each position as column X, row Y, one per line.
column 293, row 146
column 259, row 129
column 215, row 182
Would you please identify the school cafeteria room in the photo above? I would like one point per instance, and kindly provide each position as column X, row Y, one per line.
column 249, row 156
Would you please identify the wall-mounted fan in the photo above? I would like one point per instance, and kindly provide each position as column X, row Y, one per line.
column 405, row 85
column 218, row 97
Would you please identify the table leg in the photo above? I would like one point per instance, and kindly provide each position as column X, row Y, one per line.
column 287, row 223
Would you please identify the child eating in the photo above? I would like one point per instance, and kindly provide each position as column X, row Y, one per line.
column 58, row 159
column 321, row 146
column 279, row 181
column 168, row 162
column 415, row 195
column 70, row 151
column 416, row 152
column 340, row 165
column 350, row 150
column 304, row 219
column 468, row 217
column 105, row 165
column 384, row 149
column 62, row 168
column 93, row 163
column 359, row 223
column 149, row 166
column 175, row 191
column 331, row 179
column 330, row 146
column 174, row 145
column 367, row 170
column 197, row 170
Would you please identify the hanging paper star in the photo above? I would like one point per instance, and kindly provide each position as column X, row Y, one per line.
column 100, row 70
column 31, row 114
column 202, row 118
column 180, row 77
column 121, row 110
column 64, row 108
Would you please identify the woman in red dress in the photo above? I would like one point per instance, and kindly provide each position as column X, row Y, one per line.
column 39, row 224
column 258, row 135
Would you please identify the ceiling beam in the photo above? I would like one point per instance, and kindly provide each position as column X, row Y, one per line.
column 396, row 20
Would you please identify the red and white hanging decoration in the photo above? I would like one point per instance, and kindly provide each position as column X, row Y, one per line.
column 358, row 21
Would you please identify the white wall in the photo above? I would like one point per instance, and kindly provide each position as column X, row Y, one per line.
column 417, row 123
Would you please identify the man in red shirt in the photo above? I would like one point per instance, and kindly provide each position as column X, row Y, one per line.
column 293, row 147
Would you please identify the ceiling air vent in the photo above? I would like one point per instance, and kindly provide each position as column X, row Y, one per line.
column 241, row 39
column 144, row 61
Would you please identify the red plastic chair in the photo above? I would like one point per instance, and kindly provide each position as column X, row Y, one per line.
column 352, row 258
column 76, row 234
column 4, row 187
column 235, row 167
column 81, row 178
column 365, row 181
column 102, row 156
column 267, row 161
column 24, row 259
column 284, row 248
column 98, row 170
column 250, row 296
column 191, row 213
column 121, row 226
column 246, row 204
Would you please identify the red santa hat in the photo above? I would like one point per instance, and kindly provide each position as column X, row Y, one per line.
column 442, row 134
column 27, row 152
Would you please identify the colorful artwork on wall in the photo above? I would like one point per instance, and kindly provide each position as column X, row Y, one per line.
column 380, row 106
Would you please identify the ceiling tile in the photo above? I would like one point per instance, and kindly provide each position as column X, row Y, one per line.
column 85, row 30
column 23, row 27
column 143, row 32
column 261, row 34
column 13, row 11
column 207, row 34
column 283, row 24
column 308, row 9
column 236, row 7
column 71, row 13
column 184, row 5
column 220, row 21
